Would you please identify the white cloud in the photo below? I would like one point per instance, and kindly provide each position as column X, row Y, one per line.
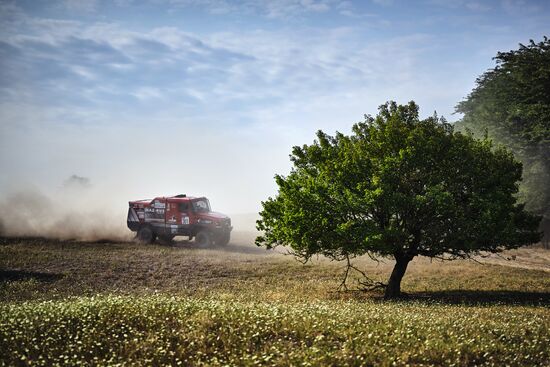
column 280, row 9
column 477, row 6
column 124, row 3
column 253, row 68
column 383, row 2
column 145, row 93
column 83, row 72
column 515, row 7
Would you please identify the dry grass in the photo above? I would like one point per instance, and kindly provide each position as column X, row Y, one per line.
column 46, row 269
column 537, row 258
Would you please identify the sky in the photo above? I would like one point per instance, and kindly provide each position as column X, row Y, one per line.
column 207, row 97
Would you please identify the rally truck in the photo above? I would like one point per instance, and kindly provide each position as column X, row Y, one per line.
column 180, row 215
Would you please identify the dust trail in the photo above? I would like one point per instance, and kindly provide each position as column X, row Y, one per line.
column 244, row 228
column 75, row 211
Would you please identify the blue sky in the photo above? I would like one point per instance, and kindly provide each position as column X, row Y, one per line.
column 208, row 96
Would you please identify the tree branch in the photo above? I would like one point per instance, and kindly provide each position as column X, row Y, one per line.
column 367, row 284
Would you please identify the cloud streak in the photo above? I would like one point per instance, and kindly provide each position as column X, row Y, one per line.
column 258, row 68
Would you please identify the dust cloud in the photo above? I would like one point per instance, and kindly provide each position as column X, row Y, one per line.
column 70, row 214
column 244, row 228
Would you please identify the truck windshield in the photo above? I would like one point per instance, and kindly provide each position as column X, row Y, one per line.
column 201, row 206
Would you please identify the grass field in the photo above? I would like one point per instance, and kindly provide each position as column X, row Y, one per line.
column 66, row 302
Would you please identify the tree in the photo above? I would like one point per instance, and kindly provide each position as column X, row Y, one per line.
column 512, row 104
column 397, row 187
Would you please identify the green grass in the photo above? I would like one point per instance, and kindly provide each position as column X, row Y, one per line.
column 163, row 330
column 107, row 304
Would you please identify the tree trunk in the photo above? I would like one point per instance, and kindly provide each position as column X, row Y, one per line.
column 393, row 290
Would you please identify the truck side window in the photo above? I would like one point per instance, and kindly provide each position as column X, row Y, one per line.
column 183, row 207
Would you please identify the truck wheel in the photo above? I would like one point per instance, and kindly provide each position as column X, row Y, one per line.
column 223, row 239
column 202, row 239
column 145, row 235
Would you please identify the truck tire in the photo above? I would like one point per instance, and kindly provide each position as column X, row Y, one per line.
column 203, row 239
column 145, row 235
column 223, row 239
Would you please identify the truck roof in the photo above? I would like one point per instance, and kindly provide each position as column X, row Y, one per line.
column 180, row 197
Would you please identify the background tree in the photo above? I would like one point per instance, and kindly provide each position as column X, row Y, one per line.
column 398, row 187
column 512, row 104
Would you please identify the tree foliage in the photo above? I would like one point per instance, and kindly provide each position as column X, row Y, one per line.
column 512, row 104
column 397, row 187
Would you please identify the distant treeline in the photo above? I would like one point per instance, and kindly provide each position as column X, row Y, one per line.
column 511, row 104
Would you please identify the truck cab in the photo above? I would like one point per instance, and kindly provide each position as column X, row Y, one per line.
column 180, row 215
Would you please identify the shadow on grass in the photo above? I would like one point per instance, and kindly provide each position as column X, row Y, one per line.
column 18, row 275
column 452, row 297
column 476, row 297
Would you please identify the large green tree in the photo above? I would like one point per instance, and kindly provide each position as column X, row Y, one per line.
column 511, row 103
column 399, row 187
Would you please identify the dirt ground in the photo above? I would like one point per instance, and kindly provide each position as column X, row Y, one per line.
column 35, row 268
column 525, row 258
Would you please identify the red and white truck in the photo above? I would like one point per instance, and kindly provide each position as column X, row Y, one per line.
column 180, row 215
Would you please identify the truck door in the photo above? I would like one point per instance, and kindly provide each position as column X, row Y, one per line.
column 184, row 210
column 171, row 217
column 177, row 217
